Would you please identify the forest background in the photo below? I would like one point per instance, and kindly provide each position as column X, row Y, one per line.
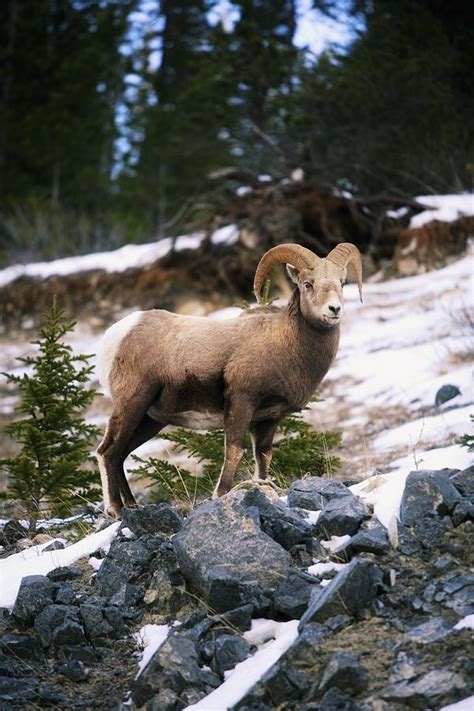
column 119, row 117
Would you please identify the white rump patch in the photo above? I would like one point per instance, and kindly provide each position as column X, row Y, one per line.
column 110, row 344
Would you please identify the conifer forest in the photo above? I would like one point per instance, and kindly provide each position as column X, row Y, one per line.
column 128, row 120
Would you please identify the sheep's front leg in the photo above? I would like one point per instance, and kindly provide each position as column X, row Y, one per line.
column 237, row 419
column 262, row 438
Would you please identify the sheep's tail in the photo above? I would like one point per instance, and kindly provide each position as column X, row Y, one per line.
column 110, row 344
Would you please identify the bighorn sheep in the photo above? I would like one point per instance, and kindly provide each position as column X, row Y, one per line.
column 241, row 374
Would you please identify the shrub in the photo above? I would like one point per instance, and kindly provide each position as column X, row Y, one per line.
column 298, row 451
column 49, row 473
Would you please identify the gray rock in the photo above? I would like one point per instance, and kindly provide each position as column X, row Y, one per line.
column 315, row 492
column 128, row 595
column 21, row 646
column 336, row 700
column 75, row 670
column 51, row 617
column 463, row 512
column 433, row 688
column 69, row 572
column 291, row 598
column 239, row 618
column 446, row 393
column 36, row 591
column 340, row 517
column 54, row 546
column 12, row 532
column 278, row 521
column 18, row 691
column 69, row 633
column 95, row 625
column 229, row 651
column 153, row 518
column 427, row 493
column 13, row 666
column 174, row 668
column 464, row 482
column 349, row 593
column 344, row 672
column 373, row 540
column 125, row 562
column 226, row 557
column 430, row 631
column 65, row 594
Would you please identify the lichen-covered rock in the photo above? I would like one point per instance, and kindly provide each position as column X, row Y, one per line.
column 427, row 493
column 226, row 557
column 315, row 492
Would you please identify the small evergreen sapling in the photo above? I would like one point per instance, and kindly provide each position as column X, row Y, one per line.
column 52, row 473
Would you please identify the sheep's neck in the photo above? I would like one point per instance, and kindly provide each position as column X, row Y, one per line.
column 317, row 345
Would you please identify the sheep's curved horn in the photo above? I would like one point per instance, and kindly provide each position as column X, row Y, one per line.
column 294, row 254
column 347, row 253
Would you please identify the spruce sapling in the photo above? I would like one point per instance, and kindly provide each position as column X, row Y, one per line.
column 52, row 473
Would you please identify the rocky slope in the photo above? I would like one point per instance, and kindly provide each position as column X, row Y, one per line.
column 353, row 620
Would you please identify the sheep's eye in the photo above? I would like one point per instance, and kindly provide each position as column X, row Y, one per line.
column 342, row 282
column 308, row 285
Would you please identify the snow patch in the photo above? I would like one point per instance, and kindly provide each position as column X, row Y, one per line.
column 35, row 561
column 275, row 638
column 445, row 208
column 151, row 637
column 464, row 705
column 467, row 623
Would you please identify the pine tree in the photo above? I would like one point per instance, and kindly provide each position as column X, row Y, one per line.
column 50, row 473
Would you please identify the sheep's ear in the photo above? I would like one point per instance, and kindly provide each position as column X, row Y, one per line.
column 293, row 273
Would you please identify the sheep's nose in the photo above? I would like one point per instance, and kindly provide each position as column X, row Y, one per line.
column 334, row 309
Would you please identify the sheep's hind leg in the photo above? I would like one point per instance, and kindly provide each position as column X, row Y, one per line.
column 145, row 431
column 126, row 417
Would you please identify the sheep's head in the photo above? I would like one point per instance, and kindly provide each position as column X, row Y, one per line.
column 319, row 281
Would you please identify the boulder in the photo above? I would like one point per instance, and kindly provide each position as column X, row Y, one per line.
column 50, row 618
column 344, row 672
column 36, row 591
column 464, row 482
column 349, row 593
column 12, row 532
column 173, row 670
column 425, row 691
column 427, row 493
column 278, row 521
column 229, row 651
column 446, row 393
column 340, row 517
column 227, row 558
column 315, row 492
column 69, row 572
column 153, row 518
column 291, row 598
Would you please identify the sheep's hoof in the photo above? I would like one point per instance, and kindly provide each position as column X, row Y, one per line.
column 114, row 512
column 250, row 483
